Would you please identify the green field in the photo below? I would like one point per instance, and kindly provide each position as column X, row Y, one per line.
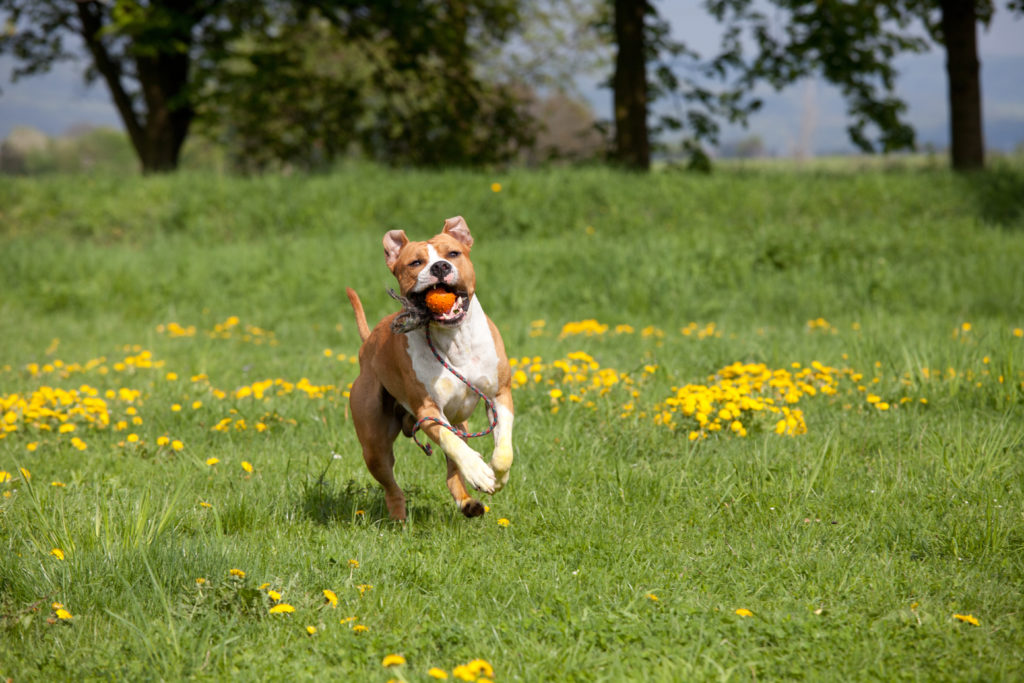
column 770, row 425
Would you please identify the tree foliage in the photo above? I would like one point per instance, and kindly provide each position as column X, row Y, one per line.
column 394, row 81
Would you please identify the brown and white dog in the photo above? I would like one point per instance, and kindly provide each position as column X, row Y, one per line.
column 400, row 381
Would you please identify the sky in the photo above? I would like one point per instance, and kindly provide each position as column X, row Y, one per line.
column 808, row 116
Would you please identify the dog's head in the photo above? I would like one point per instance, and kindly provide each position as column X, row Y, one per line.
column 440, row 262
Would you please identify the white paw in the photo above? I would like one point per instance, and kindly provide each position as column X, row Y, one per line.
column 479, row 474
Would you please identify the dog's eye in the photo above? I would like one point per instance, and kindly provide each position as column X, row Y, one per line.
column 414, row 263
column 454, row 254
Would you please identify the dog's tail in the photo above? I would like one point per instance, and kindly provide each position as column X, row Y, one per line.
column 357, row 307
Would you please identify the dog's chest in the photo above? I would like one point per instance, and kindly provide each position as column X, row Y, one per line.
column 469, row 349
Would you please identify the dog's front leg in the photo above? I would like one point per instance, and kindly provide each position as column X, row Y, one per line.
column 478, row 474
column 501, row 459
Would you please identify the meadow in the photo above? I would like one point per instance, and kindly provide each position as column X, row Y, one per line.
column 770, row 425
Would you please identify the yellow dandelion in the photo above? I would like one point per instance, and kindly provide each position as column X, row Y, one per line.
column 503, row 522
column 247, row 466
column 200, row 581
column 274, row 595
column 58, row 553
column 332, row 597
column 163, row 440
column 63, row 614
column 212, row 461
column 196, row 405
column 363, row 587
column 204, row 504
column 495, row 187
column 652, row 597
column 360, row 513
column 311, row 630
column 744, row 612
column 360, row 628
column 133, row 438
column 237, row 572
column 967, row 618
column 282, row 608
column 25, row 473
column 31, row 446
column 5, row 476
column 172, row 376
column 178, row 445
column 58, row 483
column 393, row 660
column 354, row 564
column 480, row 667
column 78, row 444
column 439, row 674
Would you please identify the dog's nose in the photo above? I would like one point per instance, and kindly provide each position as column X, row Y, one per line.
column 441, row 269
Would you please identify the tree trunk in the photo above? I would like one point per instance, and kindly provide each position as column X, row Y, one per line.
column 960, row 30
column 164, row 79
column 632, row 144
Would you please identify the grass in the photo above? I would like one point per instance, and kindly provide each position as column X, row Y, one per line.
column 633, row 535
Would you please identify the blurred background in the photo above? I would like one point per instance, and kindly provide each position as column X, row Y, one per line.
column 252, row 86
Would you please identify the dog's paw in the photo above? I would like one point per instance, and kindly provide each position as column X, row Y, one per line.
column 471, row 507
column 500, row 478
column 479, row 475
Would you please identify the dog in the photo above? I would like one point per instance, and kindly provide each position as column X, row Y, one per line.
column 403, row 387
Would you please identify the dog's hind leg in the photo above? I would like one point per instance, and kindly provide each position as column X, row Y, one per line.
column 377, row 426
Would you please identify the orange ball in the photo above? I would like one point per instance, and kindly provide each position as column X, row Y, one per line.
column 440, row 301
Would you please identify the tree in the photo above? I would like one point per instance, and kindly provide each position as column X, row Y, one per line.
column 145, row 52
column 650, row 67
column 853, row 44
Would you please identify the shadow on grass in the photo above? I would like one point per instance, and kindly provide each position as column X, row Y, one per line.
column 999, row 194
column 326, row 502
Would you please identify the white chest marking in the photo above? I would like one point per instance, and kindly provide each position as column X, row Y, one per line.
column 469, row 348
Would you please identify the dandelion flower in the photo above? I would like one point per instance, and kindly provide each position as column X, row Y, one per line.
column 282, row 608
column 360, row 628
column 311, row 630
column 503, row 522
column 163, row 440
column 363, row 587
column 247, row 466
column 274, row 595
column 58, row 553
column 177, row 445
column 212, row 461
column 967, row 618
column 652, row 597
column 200, row 581
column 744, row 612
column 495, row 187
column 25, row 473
column 237, row 572
column 204, row 504
column 393, row 660
column 480, row 667
column 439, row 674
column 331, row 596
column 63, row 614
column 5, row 476
column 354, row 564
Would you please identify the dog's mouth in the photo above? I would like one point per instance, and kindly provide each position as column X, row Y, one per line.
column 442, row 304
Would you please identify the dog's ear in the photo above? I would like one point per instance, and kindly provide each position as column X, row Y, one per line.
column 394, row 240
column 457, row 228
